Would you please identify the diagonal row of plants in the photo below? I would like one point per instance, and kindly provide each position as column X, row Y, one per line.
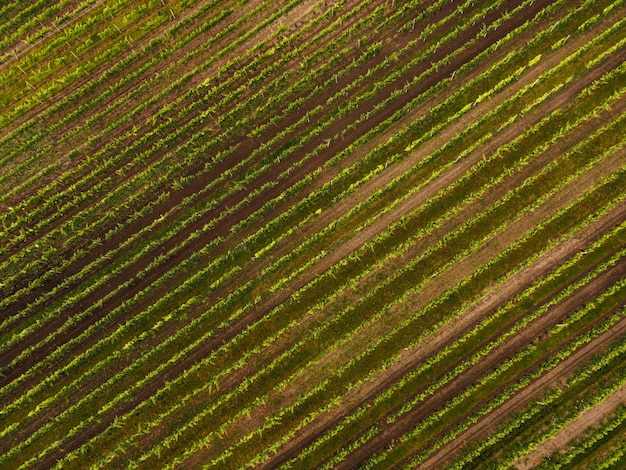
column 283, row 278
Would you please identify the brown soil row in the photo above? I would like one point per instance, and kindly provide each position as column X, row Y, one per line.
column 557, row 377
column 575, row 429
column 137, row 267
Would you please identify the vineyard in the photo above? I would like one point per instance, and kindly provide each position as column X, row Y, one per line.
column 312, row 234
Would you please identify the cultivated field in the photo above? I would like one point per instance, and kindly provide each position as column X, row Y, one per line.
column 312, row 234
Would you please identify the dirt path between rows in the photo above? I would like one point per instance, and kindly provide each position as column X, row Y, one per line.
column 432, row 289
column 562, row 198
column 409, row 359
column 394, row 171
column 464, row 267
column 557, row 377
column 589, row 418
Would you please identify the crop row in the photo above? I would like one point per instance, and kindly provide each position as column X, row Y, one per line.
column 275, row 267
column 603, row 436
column 598, row 375
column 152, row 171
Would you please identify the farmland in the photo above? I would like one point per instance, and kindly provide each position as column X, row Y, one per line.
column 312, row 234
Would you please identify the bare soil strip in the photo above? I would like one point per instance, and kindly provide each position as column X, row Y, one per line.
column 574, row 429
column 534, row 331
column 556, row 377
